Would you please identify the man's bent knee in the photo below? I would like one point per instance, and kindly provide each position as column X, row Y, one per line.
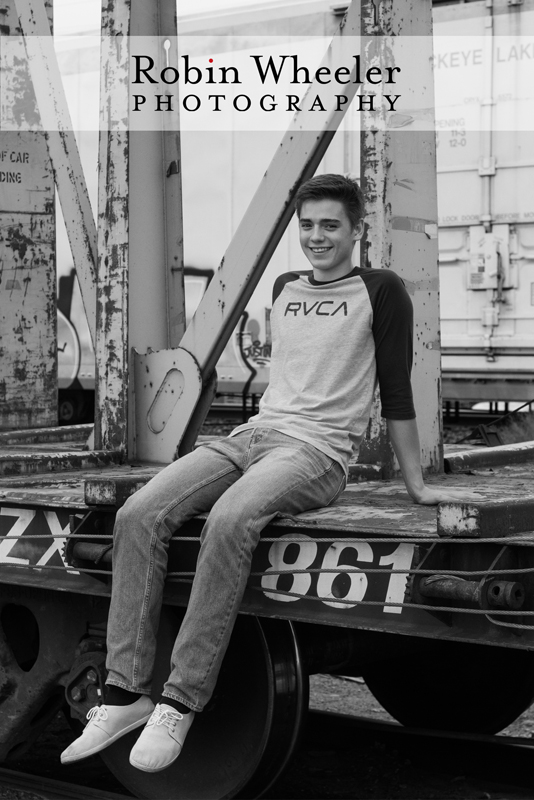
column 134, row 515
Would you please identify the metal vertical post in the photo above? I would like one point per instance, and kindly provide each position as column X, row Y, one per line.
column 111, row 350
column 399, row 180
column 140, row 301
column 28, row 337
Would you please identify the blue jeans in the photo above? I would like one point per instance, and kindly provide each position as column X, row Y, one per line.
column 245, row 480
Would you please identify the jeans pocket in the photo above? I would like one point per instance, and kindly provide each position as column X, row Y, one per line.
column 342, row 485
column 319, row 459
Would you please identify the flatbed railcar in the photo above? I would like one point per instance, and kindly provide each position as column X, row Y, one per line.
column 434, row 609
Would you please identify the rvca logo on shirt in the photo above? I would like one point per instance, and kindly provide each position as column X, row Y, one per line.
column 321, row 309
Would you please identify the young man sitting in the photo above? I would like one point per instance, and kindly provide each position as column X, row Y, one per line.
column 336, row 330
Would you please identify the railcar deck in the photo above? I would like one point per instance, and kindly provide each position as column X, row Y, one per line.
column 356, row 563
column 65, row 475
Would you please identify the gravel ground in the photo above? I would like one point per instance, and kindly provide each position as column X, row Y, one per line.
column 377, row 771
column 347, row 696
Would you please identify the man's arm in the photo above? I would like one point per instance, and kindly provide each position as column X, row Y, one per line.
column 405, row 440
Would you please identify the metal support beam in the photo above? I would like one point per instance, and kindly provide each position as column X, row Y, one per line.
column 62, row 148
column 398, row 157
column 169, row 383
column 28, row 340
column 140, row 298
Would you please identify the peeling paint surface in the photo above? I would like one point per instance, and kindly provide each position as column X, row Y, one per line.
column 28, row 347
column 37, row 463
column 112, row 367
column 52, row 106
column 500, row 517
column 28, row 366
column 398, row 223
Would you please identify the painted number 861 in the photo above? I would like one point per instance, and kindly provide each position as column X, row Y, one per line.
column 355, row 582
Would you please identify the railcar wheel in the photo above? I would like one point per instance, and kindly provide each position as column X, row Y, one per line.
column 241, row 742
column 454, row 686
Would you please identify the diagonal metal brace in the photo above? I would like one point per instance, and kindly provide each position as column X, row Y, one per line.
column 295, row 160
column 62, row 148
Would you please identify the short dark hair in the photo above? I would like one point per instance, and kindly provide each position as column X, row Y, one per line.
column 333, row 187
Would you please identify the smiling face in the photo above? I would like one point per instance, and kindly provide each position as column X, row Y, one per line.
column 327, row 238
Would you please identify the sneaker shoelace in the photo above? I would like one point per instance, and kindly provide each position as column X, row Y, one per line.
column 160, row 716
column 97, row 714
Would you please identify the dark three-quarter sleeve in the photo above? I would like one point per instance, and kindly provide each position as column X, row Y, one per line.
column 393, row 334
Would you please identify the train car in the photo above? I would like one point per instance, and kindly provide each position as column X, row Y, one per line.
column 484, row 134
column 434, row 610
column 485, row 164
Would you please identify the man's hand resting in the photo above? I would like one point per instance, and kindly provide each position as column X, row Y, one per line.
column 431, row 496
column 405, row 440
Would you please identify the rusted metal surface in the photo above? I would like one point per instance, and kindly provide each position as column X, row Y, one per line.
column 450, row 588
column 374, row 533
column 51, row 490
column 400, row 185
column 256, row 238
column 490, row 457
column 62, row 148
column 28, row 346
column 111, row 352
column 502, row 517
column 45, row 435
column 383, row 507
column 32, row 463
column 495, row 594
column 168, row 385
column 115, row 492
column 140, row 291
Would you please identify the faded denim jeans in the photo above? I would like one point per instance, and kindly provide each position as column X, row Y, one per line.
column 246, row 481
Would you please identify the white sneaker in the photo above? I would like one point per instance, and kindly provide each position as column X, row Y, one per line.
column 106, row 725
column 162, row 739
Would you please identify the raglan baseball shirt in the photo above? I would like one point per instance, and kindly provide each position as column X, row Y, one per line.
column 331, row 342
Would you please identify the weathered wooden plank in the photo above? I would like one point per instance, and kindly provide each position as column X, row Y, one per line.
column 115, row 491
column 491, row 518
column 380, row 507
column 490, row 457
column 32, row 463
column 39, row 435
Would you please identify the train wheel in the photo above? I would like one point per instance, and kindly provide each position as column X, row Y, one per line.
column 241, row 742
column 455, row 686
